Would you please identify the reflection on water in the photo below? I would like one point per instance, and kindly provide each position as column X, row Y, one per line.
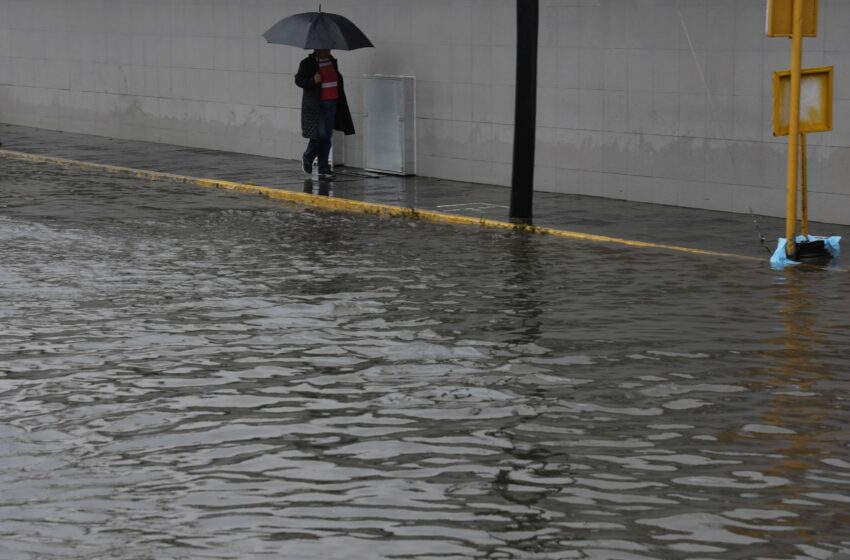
column 800, row 422
column 321, row 188
column 192, row 374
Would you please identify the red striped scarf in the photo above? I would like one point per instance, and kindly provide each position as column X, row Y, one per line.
column 330, row 89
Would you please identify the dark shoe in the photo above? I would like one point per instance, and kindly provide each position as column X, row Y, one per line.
column 307, row 165
column 327, row 175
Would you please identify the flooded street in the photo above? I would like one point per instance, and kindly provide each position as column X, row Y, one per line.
column 192, row 374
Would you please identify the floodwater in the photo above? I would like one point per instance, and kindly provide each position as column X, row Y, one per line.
column 191, row 374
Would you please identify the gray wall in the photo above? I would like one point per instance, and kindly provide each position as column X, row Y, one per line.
column 626, row 108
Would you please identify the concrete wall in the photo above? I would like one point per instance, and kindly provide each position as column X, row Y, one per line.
column 627, row 109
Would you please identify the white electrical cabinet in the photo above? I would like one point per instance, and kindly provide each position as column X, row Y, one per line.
column 389, row 123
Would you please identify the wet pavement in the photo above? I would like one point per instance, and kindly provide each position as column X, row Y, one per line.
column 700, row 229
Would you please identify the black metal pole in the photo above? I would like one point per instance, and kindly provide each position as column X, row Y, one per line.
column 525, row 121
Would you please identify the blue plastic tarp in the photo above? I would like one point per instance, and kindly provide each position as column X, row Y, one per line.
column 780, row 260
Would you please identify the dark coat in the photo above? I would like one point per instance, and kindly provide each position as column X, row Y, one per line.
column 311, row 100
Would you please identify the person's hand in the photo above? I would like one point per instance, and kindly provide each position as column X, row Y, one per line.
column 317, row 78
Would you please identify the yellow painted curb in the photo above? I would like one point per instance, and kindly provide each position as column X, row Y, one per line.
column 348, row 205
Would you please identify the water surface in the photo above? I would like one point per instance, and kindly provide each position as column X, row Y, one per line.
column 188, row 373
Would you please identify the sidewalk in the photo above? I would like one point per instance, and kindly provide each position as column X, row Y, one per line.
column 698, row 229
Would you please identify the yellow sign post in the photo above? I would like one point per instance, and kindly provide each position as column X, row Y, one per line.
column 815, row 100
column 780, row 17
column 815, row 116
column 794, row 129
column 802, row 103
column 804, row 185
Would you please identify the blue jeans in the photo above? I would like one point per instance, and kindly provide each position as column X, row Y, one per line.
column 321, row 147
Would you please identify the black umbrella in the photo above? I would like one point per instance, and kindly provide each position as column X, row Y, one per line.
column 317, row 30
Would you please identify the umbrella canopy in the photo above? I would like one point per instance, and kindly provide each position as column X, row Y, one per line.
column 317, row 30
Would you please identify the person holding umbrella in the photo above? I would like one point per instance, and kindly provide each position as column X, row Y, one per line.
column 324, row 109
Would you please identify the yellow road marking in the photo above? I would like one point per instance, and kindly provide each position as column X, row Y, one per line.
column 348, row 205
